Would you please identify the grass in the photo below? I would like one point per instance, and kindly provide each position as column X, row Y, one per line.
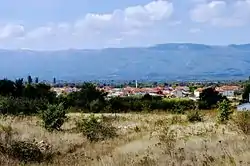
column 145, row 139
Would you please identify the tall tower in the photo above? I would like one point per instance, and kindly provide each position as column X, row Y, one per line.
column 136, row 84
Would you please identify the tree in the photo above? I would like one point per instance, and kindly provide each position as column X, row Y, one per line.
column 224, row 111
column 7, row 87
column 29, row 79
column 54, row 80
column 147, row 97
column 155, row 84
column 246, row 92
column 19, row 87
column 87, row 95
column 54, row 117
column 36, row 80
column 210, row 97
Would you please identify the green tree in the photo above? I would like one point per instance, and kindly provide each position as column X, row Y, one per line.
column 7, row 87
column 224, row 111
column 36, row 80
column 19, row 87
column 54, row 80
column 87, row 95
column 29, row 79
column 210, row 97
column 54, row 117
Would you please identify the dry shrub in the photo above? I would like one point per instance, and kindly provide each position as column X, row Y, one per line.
column 6, row 134
column 168, row 137
column 194, row 116
column 95, row 129
column 146, row 161
column 242, row 121
column 177, row 119
column 23, row 151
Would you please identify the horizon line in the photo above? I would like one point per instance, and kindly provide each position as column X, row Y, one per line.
column 149, row 46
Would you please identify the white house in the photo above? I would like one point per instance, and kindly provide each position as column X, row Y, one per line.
column 227, row 91
column 197, row 92
column 178, row 93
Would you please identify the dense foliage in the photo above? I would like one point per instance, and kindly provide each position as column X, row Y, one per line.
column 209, row 98
column 21, row 106
column 246, row 92
column 17, row 97
column 119, row 104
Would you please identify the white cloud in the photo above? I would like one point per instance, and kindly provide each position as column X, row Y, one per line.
column 11, row 31
column 194, row 30
column 93, row 30
column 222, row 13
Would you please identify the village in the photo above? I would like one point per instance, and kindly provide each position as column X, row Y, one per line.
column 229, row 91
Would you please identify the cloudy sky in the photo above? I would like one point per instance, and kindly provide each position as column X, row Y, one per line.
column 63, row 24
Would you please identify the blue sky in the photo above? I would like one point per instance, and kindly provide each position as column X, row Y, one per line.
column 63, row 24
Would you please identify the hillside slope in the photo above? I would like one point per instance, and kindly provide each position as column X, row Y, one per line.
column 164, row 62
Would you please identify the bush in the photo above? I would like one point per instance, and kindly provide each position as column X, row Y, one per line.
column 224, row 111
column 24, row 151
column 194, row 116
column 96, row 106
column 95, row 129
column 137, row 104
column 18, row 106
column 54, row 117
column 242, row 121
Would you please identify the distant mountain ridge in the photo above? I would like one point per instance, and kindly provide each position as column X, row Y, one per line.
column 185, row 61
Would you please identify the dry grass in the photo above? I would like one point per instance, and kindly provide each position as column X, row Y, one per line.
column 143, row 139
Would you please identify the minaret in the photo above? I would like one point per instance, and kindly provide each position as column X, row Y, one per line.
column 136, row 85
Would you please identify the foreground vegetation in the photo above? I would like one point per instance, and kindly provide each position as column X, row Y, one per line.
column 127, row 139
column 37, row 127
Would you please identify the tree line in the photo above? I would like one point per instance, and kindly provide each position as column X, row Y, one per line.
column 19, row 97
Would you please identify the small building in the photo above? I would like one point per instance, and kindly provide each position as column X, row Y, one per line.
column 197, row 92
column 177, row 93
column 227, row 91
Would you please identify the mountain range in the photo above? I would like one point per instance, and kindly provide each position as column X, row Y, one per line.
column 173, row 61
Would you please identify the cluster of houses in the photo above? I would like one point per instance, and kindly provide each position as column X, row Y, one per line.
column 171, row 92
column 64, row 90
column 228, row 91
column 156, row 91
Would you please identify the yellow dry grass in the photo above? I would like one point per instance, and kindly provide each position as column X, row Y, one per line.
column 143, row 139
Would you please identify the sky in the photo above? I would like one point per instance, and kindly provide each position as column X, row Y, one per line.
column 94, row 24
